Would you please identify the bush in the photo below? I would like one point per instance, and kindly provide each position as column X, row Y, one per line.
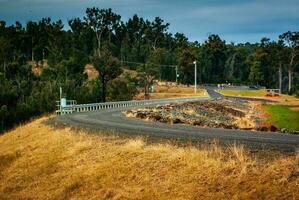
column 120, row 89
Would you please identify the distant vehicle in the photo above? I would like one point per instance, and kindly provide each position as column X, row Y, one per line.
column 254, row 87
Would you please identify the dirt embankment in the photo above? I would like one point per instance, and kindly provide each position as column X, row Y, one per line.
column 224, row 113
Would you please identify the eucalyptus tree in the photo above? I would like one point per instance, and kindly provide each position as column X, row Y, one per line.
column 185, row 58
column 102, row 22
column 108, row 67
column 255, row 75
column 32, row 37
column 147, row 73
column 155, row 32
column 214, row 55
column 291, row 40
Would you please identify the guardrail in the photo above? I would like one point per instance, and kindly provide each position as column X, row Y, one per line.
column 67, row 109
column 273, row 92
column 120, row 104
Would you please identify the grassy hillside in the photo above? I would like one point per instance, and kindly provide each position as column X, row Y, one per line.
column 244, row 93
column 174, row 91
column 40, row 162
column 283, row 116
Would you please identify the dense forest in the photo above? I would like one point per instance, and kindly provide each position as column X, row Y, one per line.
column 39, row 57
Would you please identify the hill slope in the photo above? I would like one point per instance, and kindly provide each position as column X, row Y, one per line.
column 40, row 162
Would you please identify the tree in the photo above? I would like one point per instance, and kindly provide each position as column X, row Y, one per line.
column 255, row 75
column 186, row 57
column 180, row 40
column 278, row 55
column 108, row 68
column 123, row 88
column 32, row 36
column 155, row 32
column 214, row 54
column 147, row 73
column 101, row 21
column 291, row 39
column 4, row 53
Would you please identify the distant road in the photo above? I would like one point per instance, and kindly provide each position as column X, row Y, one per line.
column 113, row 119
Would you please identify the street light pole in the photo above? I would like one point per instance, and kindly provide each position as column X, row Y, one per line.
column 195, row 77
column 176, row 74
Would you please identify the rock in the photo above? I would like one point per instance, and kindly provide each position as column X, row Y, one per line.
column 141, row 115
column 284, row 130
column 296, row 132
column 177, row 121
column 263, row 128
column 273, row 128
column 156, row 117
column 198, row 123
column 214, row 113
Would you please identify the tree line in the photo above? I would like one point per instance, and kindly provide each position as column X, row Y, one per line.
column 38, row 57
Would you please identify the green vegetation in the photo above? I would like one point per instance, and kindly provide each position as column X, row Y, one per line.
column 282, row 117
column 39, row 57
column 245, row 93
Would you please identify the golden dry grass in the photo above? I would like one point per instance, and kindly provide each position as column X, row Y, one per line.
column 244, row 93
column 289, row 100
column 282, row 99
column 174, row 91
column 40, row 162
column 91, row 72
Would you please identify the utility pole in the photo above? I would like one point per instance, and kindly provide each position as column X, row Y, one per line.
column 195, row 77
column 60, row 95
column 176, row 74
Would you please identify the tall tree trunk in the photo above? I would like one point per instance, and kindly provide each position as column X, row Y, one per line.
column 280, row 77
column 146, row 88
column 32, row 52
column 145, row 92
column 290, row 78
column 290, row 69
column 99, row 36
column 104, row 89
column 4, row 68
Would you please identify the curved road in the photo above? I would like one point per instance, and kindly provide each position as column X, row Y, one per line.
column 113, row 119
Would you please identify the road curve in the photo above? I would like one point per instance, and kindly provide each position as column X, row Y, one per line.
column 113, row 119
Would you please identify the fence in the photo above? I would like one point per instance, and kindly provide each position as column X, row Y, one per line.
column 273, row 92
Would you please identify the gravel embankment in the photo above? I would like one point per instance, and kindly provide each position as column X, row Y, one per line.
column 220, row 113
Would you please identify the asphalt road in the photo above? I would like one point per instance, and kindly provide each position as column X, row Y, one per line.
column 113, row 119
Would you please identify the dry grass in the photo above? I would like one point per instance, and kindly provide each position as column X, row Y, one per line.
column 244, row 93
column 283, row 99
column 174, row 91
column 289, row 100
column 91, row 72
column 39, row 162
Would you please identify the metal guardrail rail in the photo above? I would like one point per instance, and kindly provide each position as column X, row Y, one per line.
column 67, row 109
column 273, row 92
column 120, row 104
